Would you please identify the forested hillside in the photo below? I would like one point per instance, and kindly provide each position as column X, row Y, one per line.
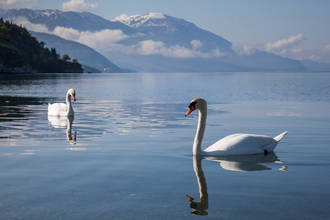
column 22, row 53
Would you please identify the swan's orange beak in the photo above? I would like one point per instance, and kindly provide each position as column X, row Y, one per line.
column 190, row 199
column 188, row 112
column 74, row 97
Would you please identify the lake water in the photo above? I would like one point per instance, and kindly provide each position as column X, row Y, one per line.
column 128, row 152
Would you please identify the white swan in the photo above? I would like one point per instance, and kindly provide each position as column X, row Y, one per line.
column 61, row 109
column 235, row 144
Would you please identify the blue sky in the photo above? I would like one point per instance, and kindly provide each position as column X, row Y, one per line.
column 246, row 23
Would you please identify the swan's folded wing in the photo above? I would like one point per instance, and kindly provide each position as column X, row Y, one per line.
column 57, row 109
column 242, row 144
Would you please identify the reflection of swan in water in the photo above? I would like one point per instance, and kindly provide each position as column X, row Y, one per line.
column 62, row 122
column 232, row 163
column 246, row 163
column 198, row 208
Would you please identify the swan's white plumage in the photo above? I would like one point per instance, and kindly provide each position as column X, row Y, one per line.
column 241, row 144
column 63, row 109
column 235, row 144
column 57, row 109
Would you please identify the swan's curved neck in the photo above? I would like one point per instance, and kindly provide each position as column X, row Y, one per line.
column 197, row 147
column 69, row 108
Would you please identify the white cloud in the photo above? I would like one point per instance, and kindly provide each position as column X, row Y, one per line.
column 99, row 40
column 196, row 44
column 79, row 5
column 282, row 45
column 243, row 49
column 182, row 52
column 321, row 55
column 108, row 40
column 289, row 48
column 150, row 47
column 30, row 26
column 17, row 3
column 66, row 33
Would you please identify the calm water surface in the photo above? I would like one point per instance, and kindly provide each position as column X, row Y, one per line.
column 128, row 152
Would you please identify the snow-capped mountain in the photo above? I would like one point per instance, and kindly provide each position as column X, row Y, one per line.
column 83, row 21
column 135, row 21
column 152, row 42
column 174, row 31
column 204, row 51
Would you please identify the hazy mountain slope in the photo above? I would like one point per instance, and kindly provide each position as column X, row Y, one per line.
column 210, row 52
column 85, row 55
column 263, row 61
column 316, row 66
column 160, row 43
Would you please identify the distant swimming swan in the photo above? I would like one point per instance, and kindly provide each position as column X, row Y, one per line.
column 235, row 144
column 61, row 109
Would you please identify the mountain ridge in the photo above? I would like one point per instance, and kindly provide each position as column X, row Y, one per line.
column 81, row 21
column 157, row 41
column 86, row 55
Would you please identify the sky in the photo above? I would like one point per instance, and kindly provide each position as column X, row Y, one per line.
column 292, row 28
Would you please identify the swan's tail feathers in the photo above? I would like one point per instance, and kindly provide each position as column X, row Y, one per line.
column 280, row 136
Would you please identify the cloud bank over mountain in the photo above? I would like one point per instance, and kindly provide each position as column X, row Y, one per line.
column 96, row 40
column 17, row 3
column 79, row 6
column 283, row 45
column 158, row 42
column 106, row 40
column 290, row 47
